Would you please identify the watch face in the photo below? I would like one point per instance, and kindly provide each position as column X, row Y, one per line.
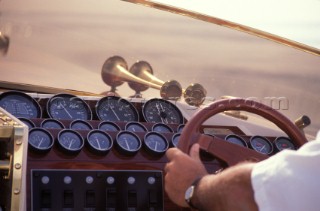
column 189, row 194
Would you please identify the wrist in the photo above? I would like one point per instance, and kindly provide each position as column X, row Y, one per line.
column 191, row 194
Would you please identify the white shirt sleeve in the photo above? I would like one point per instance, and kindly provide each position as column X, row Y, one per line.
column 289, row 180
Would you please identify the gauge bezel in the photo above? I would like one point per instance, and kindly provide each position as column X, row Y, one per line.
column 68, row 96
column 67, row 149
column 52, row 120
column 109, row 123
column 29, row 100
column 159, row 124
column 137, row 124
column 237, row 137
column 27, row 121
column 71, row 126
column 126, row 151
column 151, row 150
column 180, row 128
column 173, row 106
column 173, row 137
column 266, row 140
column 286, row 138
column 102, row 101
column 37, row 149
column 96, row 150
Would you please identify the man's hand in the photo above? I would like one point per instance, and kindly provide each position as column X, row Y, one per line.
column 181, row 171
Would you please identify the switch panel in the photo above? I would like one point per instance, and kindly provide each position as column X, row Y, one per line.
column 96, row 190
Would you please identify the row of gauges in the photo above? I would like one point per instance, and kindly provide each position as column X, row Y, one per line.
column 109, row 108
column 261, row 144
column 100, row 142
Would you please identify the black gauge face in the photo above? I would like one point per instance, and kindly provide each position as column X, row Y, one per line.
column 116, row 109
column 180, row 128
column 156, row 143
column 236, row 140
column 135, row 127
column 40, row 139
column 99, row 141
column 128, row 142
column 51, row 124
column 283, row 143
column 108, row 126
column 70, row 140
column 159, row 110
column 261, row 144
column 27, row 122
column 20, row 104
column 175, row 139
column 65, row 106
column 80, row 125
column 161, row 128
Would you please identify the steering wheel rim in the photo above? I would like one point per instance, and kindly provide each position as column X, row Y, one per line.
column 191, row 132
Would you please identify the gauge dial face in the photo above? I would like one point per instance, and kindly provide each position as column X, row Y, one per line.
column 108, row 126
column 70, row 140
column 283, row 143
column 20, row 104
column 135, row 127
column 161, row 128
column 99, row 141
column 261, row 144
column 175, row 139
column 66, row 106
column 51, row 124
column 128, row 142
column 236, row 140
column 27, row 122
column 159, row 110
column 80, row 125
column 156, row 142
column 40, row 139
column 115, row 109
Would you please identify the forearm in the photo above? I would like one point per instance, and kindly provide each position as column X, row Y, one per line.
column 228, row 190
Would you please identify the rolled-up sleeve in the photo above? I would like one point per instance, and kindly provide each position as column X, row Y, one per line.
column 289, row 180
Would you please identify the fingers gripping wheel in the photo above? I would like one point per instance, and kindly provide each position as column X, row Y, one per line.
column 228, row 152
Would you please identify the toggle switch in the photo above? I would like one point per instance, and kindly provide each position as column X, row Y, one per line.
column 68, row 199
column 90, row 199
column 45, row 199
column 111, row 199
column 132, row 200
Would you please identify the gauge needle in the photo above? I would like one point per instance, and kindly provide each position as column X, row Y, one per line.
column 156, row 146
column 262, row 148
column 97, row 140
column 66, row 111
column 166, row 121
column 40, row 142
column 127, row 144
column 71, row 142
column 114, row 113
column 159, row 112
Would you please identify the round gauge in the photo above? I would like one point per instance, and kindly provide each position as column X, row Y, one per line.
column 99, row 141
column 236, row 140
column 175, row 139
column 70, row 140
column 162, row 128
column 261, row 144
column 20, row 104
column 40, row 140
column 156, row 143
column 159, row 110
column 180, row 128
column 135, row 127
column 108, row 126
column 79, row 124
column 66, row 106
column 52, row 124
column 114, row 109
column 283, row 143
column 27, row 122
column 128, row 142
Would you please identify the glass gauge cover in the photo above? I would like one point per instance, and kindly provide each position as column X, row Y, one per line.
column 99, row 141
column 66, row 106
column 115, row 109
column 261, row 144
column 40, row 140
column 52, row 124
column 155, row 143
column 27, row 122
column 128, row 142
column 79, row 124
column 159, row 110
column 108, row 126
column 135, row 127
column 20, row 105
column 175, row 139
column 283, row 143
column 162, row 128
column 70, row 140
column 236, row 140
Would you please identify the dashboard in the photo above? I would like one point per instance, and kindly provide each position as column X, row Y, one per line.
column 108, row 153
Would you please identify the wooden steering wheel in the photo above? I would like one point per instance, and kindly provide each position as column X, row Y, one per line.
column 228, row 152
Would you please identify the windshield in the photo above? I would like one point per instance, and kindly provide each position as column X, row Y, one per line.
column 65, row 44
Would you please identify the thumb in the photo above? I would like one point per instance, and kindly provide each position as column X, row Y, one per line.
column 194, row 152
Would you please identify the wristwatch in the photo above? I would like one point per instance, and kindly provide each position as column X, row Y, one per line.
column 190, row 192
